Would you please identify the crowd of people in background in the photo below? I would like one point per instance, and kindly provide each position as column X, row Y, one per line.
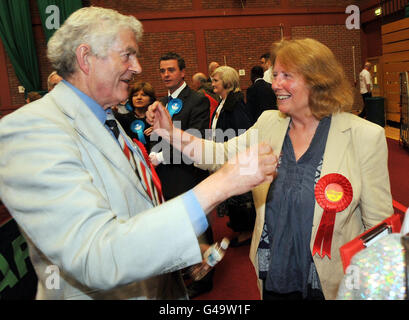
column 258, row 97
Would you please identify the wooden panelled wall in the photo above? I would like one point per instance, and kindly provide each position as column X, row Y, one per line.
column 210, row 30
column 395, row 50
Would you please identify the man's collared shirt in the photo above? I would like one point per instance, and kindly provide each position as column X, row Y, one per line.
column 196, row 214
column 176, row 93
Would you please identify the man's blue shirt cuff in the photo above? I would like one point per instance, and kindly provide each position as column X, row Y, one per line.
column 196, row 213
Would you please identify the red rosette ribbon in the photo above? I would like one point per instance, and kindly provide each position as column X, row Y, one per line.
column 333, row 193
column 155, row 177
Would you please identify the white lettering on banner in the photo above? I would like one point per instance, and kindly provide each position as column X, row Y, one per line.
column 246, row 166
column 172, row 310
column 234, row 146
column 353, row 20
column 208, row 309
column 352, row 277
column 53, row 20
column 53, row 281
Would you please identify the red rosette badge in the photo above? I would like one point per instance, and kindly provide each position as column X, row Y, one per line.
column 333, row 193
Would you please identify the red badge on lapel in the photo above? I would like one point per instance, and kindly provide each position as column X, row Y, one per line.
column 333, row 193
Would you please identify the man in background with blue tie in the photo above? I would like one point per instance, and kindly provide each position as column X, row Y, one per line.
column 189, row 110
column 81, row 191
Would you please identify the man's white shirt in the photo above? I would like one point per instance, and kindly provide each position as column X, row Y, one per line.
column 365, row 79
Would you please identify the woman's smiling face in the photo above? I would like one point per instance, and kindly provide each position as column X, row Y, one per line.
column 291, row 90
column 218, row 86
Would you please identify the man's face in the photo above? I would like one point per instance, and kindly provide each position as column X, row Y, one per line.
column 265, row 64
column 213, row 66
column 195, row 83
column 109, row 76
column 171, row 75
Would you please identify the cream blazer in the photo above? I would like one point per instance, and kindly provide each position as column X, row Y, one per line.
column 355, row 148
column 65, row 180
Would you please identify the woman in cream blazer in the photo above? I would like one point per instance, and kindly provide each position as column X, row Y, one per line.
column 311, row 87
column 356, row 149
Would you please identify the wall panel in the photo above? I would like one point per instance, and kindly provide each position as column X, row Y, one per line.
column 206, row 30
column 240, row 48
column 340, row 41
column 395, row 47
column 154, row 47
column 222, row 4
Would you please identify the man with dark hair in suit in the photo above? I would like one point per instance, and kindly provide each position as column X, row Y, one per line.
column 189, row 110
column 266, row 64
column 260, row 95
column 192, row 112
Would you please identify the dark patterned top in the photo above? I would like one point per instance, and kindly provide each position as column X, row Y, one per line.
column 284, row 255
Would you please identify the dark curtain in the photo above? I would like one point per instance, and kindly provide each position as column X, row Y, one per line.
column 16, row 32
column 65, row 8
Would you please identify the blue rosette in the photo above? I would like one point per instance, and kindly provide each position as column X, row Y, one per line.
column 174, row 106
column 138, row 126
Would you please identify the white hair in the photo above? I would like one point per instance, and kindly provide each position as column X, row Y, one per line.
column 97, row 27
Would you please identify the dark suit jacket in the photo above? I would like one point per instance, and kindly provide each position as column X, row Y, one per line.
column 179, row 178
column 233, row 115
column 126, row 120
column 260, row 97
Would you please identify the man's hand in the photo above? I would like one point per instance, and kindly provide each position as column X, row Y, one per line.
column 159, row 118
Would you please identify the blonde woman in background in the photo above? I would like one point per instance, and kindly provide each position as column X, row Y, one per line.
column 231, row 115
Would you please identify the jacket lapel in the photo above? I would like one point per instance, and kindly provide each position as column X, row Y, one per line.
column 275, row 139
column 91, row 129
column 184, row 93
column 276, row 131
column 338, row 140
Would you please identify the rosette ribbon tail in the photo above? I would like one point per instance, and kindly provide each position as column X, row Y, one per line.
column 333, row 193
column 323, row 239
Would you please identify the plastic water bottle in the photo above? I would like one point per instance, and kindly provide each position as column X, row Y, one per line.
column 211, row 257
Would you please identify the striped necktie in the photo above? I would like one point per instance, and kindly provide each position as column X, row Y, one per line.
column 147, row 177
